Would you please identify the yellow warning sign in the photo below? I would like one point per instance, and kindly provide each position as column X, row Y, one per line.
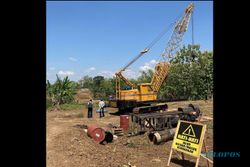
column 189, row 131
column 188, row 138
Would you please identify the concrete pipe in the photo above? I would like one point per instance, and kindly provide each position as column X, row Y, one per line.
column 162, row 136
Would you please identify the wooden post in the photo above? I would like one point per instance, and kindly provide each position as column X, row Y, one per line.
column 206, row 151
column 182, row 156
column 170, row 155
column 197, row 162
column 202, row 139
column 209, row 160
column 177, row 154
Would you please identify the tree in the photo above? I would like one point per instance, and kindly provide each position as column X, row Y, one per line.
column 98, row 80
column 145, row 76
column 86, row 82
column 190, row 75
column 61, row 91
column 97, row 88
column 108, row 87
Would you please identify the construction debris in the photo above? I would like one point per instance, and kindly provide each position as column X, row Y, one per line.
column 115, row 137
column 83, row 126
column 118, row 131
column 129, row 165
column 113, row 125
column 156, row 160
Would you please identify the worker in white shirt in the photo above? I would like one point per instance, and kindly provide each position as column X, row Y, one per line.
column 101, row 108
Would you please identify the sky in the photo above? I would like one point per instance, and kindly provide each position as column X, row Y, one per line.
column 101, row 37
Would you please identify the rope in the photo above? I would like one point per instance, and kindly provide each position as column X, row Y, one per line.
column 153, row 42
column 163, row 32
column 193, row 28
column 159, row 36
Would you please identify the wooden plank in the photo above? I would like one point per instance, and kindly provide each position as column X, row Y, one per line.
column 117, row 131
column 207, row 159
column 197, row 162
column 180, row 157
column 170, row 155
column 204, row 144
column 172, row 110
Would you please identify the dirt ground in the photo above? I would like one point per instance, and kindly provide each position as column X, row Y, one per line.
column 69, row 146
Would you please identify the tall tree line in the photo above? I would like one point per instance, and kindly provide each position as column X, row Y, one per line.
column 190, row 76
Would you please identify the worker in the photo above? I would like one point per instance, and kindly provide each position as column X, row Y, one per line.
column 90, row 108
column 101, row 108
column 110, row 97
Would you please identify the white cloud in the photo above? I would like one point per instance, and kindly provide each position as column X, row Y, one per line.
column 106, row 74
column 72, row 59
column 148, row 65
column 52, row 68
column 127, row 74
column 145, row 68
column 153, row 62
column 91, row 69
column 67, row 73
column 130, row 74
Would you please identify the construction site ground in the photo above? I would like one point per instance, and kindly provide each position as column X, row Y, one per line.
column 69, row 146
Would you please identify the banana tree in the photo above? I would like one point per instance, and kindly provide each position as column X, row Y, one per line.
column 61, row 91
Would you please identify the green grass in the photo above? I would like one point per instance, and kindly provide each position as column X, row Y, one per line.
column 210, row 125
column 48, row 104
column 67, row 106
column 132, row 145
column 72, row 106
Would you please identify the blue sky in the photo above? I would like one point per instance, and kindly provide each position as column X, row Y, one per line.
column 99, row 38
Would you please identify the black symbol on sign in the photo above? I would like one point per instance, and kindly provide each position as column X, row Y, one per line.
column 189, row 131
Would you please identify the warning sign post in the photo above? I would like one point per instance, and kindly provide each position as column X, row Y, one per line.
column 188, row 139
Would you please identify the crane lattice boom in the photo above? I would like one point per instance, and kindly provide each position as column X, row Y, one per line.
column 161, row 69
column 148, row 91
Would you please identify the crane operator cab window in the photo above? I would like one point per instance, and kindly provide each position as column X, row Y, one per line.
column 128, row 88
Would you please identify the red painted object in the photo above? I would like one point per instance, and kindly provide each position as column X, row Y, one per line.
column 124, row 122
column 97, row 133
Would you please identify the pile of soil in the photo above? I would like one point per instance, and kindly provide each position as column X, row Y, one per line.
column 83, row 95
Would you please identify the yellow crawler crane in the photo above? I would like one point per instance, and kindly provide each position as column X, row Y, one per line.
column 145, row 94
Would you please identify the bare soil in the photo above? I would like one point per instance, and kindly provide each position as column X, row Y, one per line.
column 69, row 146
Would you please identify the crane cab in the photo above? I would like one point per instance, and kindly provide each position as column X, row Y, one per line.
column 134, row 97
column 146, row 93
column 143, row 92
